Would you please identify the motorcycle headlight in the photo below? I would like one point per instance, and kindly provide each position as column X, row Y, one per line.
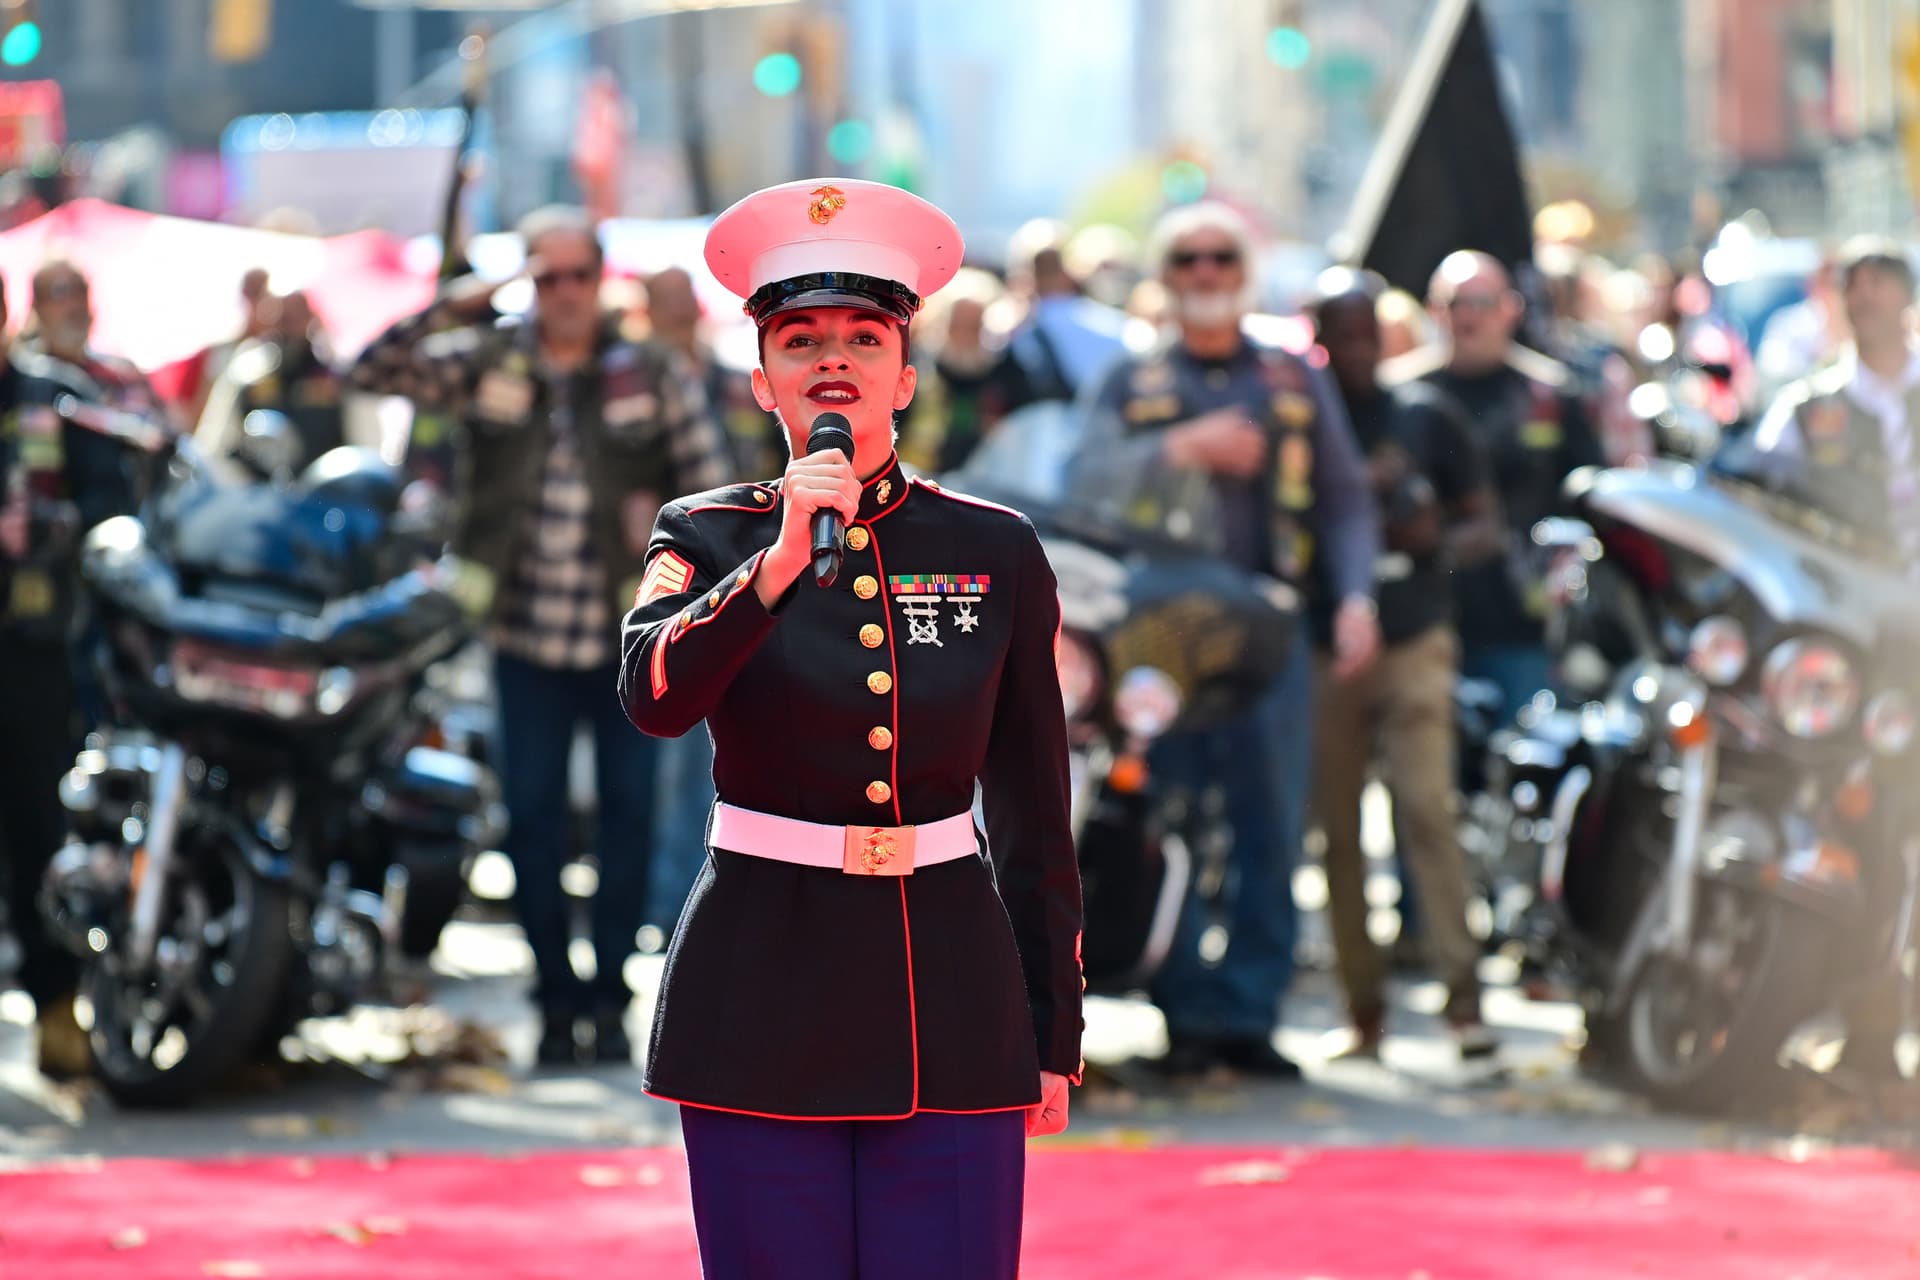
column 333, row 691
column 1717, row 650
column 1890, row 722
column 1811, row 686
column 1147, row 702
column 1079, row 665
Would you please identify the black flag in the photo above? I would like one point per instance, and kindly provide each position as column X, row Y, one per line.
column 1446, row 174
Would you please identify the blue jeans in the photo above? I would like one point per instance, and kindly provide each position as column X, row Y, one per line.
column 1262, row 762
column 680, row 825
column 540, row 707
column 1521, row 670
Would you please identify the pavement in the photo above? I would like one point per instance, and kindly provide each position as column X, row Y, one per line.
column 454, row 1076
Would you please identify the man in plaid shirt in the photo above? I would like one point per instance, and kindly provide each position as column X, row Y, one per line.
column 564, row 440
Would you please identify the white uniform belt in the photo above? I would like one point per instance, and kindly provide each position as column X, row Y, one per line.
column 859, row 850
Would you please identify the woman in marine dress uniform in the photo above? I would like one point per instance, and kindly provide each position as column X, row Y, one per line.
column 868, row 1003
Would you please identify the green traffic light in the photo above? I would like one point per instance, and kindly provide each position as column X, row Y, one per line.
column 1183, row 182
column 777, row 74
column 22, row 45
column 849, row 141
column 1289, row 48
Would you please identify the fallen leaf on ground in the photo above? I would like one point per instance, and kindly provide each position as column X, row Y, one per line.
column 130, row 1238
column 1246, row 1173
column 1216, row 1101
column 1613, row 1157
column 385, row 1226
column 462, row 1077
column 231, row 1270
column 1108, row 1101
column 352, row 1232
column 281, row 1126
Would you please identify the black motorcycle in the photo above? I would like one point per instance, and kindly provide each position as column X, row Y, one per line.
column 1726, row 836
column 258, row 826
column 1157, row 636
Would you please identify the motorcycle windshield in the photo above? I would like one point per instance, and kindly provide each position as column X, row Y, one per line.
column 1774, row 547
column 1030, row 462
column 313, row 549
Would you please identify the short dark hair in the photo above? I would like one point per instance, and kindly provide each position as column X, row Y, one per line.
column 1879, row 253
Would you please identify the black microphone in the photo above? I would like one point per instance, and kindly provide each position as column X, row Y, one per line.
column 830, row 431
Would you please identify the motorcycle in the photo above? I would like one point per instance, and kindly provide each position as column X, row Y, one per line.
column 1157, row 637
column 1724, row 837
column 259, row 830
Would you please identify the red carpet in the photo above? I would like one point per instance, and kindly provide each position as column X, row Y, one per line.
column 1166, row 1214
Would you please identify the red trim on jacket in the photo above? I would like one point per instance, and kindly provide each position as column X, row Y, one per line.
column 753, row 571
column 967, row 499
column 771, row 1115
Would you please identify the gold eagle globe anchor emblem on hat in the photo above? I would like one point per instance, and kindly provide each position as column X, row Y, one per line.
column 827, row 201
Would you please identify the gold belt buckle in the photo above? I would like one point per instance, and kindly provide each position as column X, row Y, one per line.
column 879, row 851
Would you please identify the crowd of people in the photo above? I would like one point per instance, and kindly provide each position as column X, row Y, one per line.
column 1390, row 463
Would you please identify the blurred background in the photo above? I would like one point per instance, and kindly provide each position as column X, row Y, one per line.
column 1659, row 116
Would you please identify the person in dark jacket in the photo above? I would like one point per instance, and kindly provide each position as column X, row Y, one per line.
column 566, row 440
column 60, row 480
column 1528, row 418
column 868, row 1002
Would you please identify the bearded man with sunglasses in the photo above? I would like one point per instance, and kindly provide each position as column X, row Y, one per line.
column 1527, row 415
column 566, row 440
column 1245, row 450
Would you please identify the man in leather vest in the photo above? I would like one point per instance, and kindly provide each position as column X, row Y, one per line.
column 1527, row 414
column 1845, row 438
column 1245, row 450
column 1847, row 432
column 567, row 439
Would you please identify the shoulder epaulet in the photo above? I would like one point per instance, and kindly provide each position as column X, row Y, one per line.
column 1540, row 367
column 734, row 497
column 1415, row 364
column 967, row 499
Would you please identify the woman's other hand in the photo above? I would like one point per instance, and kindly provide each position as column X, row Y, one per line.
column 1049, row 1115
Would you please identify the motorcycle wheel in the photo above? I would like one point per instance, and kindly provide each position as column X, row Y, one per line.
column 226, row 947
column 1703, row 1031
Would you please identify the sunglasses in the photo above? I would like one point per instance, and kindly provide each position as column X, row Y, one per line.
column 568, row 275
column 1480, row 302
column 1185, row 259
